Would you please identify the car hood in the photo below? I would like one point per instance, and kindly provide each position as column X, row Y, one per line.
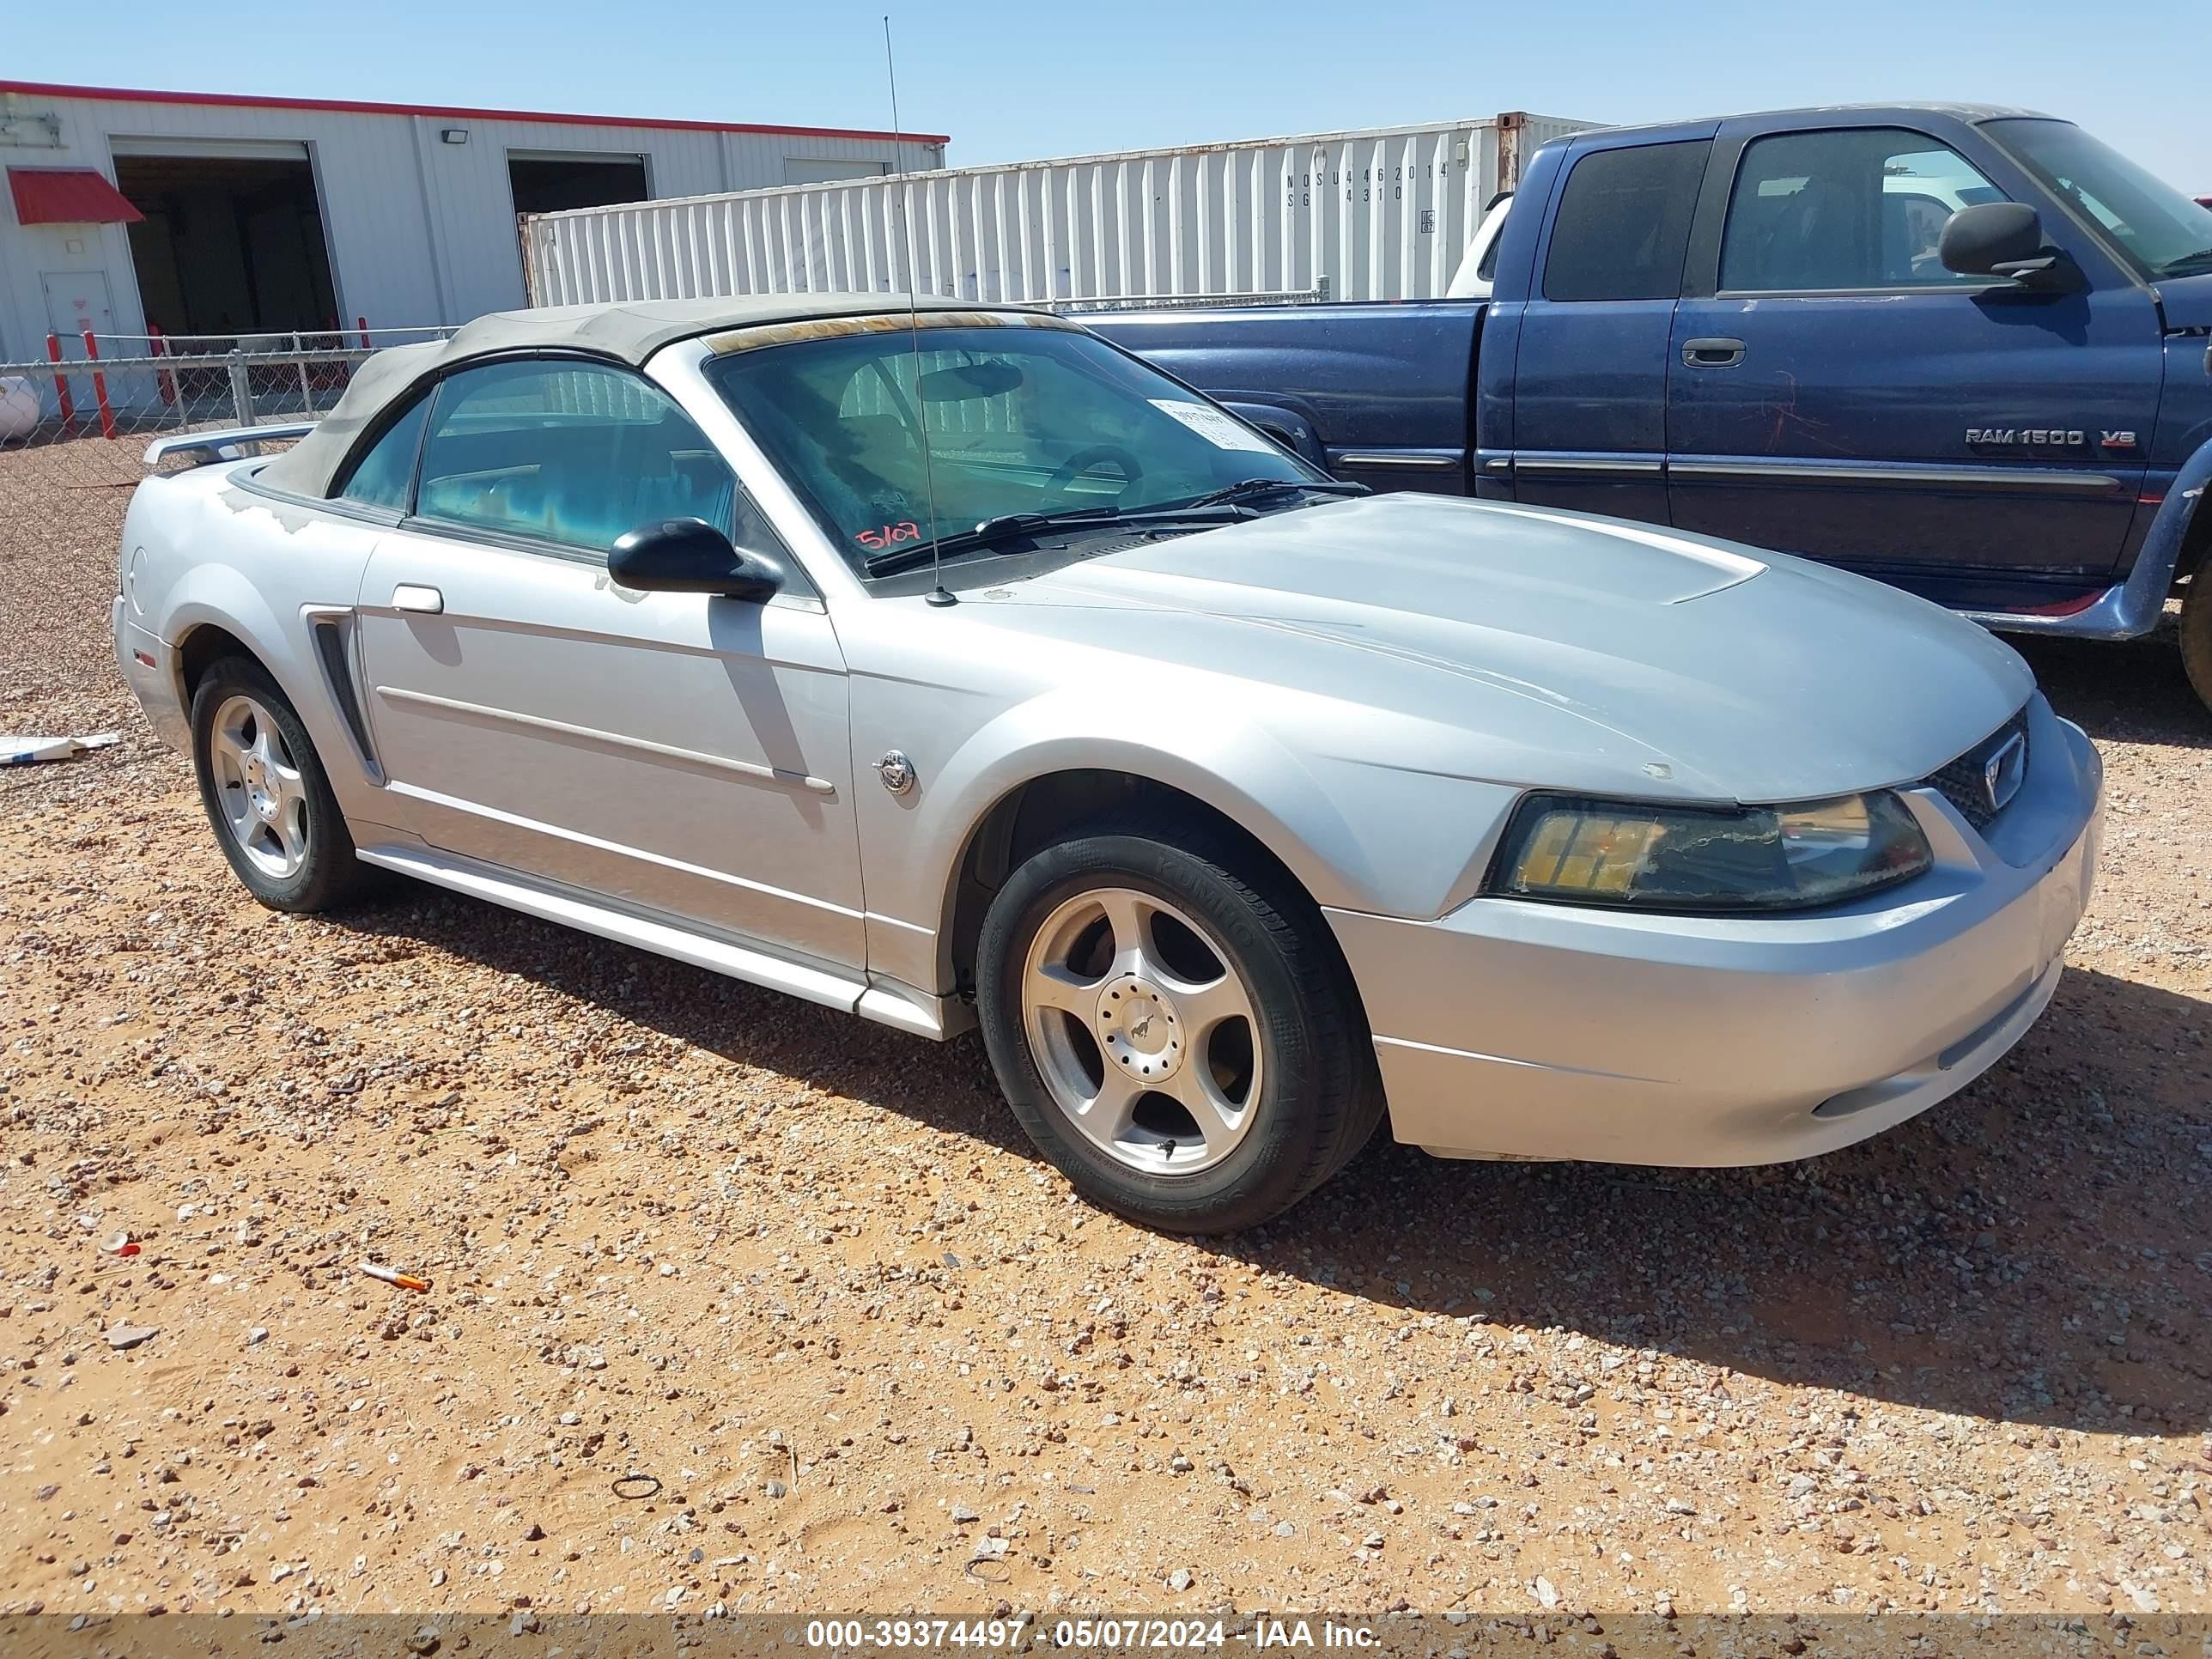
column 1553, row 649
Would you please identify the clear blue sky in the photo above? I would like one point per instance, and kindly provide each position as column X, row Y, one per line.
column 1010, row 81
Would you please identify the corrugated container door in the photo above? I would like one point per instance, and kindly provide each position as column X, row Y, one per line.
column 1378, row 215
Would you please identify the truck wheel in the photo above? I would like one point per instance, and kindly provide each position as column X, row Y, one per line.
column 267, row 793
column 2197, row 631
column 1178, row 1034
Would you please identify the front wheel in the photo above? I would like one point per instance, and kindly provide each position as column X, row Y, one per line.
column 1175, row 1029
column 2197, row 631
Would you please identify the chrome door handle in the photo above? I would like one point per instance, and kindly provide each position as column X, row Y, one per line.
column 1711, row 354
column 410, row 597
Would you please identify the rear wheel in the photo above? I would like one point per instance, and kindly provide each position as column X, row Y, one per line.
column 267, row 793
column 2197, row 631
column 1177, row 1034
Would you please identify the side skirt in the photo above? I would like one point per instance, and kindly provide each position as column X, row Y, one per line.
column 884, row 1001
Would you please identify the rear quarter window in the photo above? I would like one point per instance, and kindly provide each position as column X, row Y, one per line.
column 1624, row 223
column 384, row 476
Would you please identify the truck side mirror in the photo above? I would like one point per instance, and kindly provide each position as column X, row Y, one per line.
column 2005, row 238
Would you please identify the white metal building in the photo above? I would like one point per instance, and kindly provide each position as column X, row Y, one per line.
column 205, row 214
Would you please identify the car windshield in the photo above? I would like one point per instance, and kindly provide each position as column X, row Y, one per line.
column 1025, row 416
column 2156, row 228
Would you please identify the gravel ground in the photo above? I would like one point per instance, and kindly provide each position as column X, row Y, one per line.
column 802, row 1279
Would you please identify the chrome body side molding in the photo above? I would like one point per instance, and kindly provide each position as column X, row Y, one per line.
column 877, row 998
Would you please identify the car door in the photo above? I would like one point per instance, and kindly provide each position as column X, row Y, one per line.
column 681, row 754
column 1589, row 382
column 1833, row 390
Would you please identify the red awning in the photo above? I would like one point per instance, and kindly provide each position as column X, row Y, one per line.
column 68, row 196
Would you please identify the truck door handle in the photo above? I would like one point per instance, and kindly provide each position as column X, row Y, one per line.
column 1712, row 354
column 427, row 601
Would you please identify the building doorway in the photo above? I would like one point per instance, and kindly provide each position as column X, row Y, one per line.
column 232, row 242
column 549, row 181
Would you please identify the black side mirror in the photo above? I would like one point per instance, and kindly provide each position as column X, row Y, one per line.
column 690, row 555
column 2005, row 238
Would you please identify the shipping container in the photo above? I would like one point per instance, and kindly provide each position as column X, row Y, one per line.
column 1378, row 215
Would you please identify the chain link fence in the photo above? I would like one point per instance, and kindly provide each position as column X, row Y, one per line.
column 81, row 418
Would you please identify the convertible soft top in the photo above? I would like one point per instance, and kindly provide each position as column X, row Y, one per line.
column 630, row 332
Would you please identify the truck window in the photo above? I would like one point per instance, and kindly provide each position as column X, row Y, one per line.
column 2156, row 229
column 1485, row 268
column 1623, row 223
column 1860, row 207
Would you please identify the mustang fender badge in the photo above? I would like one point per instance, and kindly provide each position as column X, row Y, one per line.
column 896, row 771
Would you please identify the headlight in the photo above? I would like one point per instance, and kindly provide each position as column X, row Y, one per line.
column 1643, row 856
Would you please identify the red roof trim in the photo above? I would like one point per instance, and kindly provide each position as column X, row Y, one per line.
column 68, row 196
column 348, row 107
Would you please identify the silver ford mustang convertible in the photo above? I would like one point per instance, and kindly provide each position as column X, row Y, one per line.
column 964, row 669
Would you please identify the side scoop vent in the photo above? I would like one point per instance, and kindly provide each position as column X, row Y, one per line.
column 330, row 647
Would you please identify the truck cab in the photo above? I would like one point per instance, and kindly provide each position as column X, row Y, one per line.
column 1960, row 348
column 1793, row 364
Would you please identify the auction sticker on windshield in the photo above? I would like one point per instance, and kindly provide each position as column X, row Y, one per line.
column 1216, row 427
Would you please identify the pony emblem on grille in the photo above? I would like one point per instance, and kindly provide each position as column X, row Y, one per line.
column 2003, row 771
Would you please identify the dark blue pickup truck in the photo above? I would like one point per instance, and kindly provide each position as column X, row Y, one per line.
column 1966, row 351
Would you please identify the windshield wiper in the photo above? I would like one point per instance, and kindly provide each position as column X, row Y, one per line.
column 2172, row 267
column 1245, row 488
column 1008, row 526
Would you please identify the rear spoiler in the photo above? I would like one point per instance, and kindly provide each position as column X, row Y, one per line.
column 233, row 444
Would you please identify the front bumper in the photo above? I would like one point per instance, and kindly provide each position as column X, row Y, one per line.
column 1510, row 1029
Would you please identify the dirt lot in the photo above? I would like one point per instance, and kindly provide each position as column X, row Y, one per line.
column 804, row 1274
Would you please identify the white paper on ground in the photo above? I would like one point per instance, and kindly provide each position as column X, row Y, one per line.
column 29, row 751
column 1212, row 424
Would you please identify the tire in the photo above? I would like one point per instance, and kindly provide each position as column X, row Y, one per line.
column 2197, row 631
column 1286, row 1078
column 267, row 797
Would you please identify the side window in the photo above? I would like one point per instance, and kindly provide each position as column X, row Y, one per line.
column 1485, row 268
column 1854, row 208
column 568, row 453
column 383, row 476
column 1623, row 223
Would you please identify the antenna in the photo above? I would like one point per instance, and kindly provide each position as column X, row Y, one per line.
column 938, row 595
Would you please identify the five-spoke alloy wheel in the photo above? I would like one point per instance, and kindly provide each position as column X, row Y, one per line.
column 265, row 792
column 264, row 799
column 1141, row 1031
column 1174, row 1025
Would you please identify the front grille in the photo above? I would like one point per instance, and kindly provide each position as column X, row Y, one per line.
column 1965, row 781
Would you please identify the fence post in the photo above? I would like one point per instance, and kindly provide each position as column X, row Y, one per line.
column 307, row 392
column 98, row 387
column 61, row 384
column 161, row 348
column 361, row 323
column 241, row 394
